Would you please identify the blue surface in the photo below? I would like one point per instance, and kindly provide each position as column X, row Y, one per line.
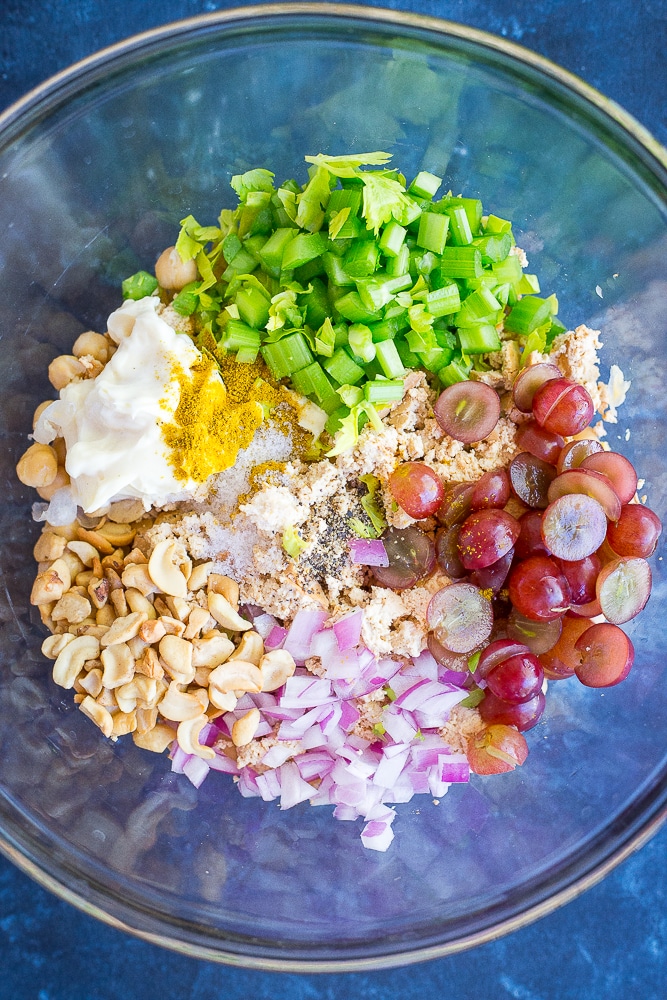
column 612, row 941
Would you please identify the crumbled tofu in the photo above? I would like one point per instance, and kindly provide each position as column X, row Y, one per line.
column 575, row 353
column 275, row 508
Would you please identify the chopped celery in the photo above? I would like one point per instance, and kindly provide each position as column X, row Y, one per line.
column 530, row 312
column 461, row 262
column 238, row 336
column 459, row 225
column 312, row 381
column 302, row 249
column 425, row 184
column 361, row 259
column 444, row 300
column 361, row 342
column 382, row 391
column 342, row 368
column 389, row 359
column 335, row 271
column 139, row 285
column 253, row 307
column 352, row 307
column 432, row 233
column 392, row 239
column 288, row 355
column 271, row 254
column 479, row 339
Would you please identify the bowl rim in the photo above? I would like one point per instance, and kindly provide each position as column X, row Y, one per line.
column 56, row 89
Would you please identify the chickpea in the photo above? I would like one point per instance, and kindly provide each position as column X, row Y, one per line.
column 173, row 273
column 60, row 448
column 38, row 412
column 63, row 370
column 91, row 343
column 61, row 479
column 38, row 466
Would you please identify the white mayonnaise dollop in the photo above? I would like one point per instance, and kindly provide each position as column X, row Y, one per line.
column 111, row 424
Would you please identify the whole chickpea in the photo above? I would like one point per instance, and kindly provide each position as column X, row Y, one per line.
column 38, row 466
column 171, row 272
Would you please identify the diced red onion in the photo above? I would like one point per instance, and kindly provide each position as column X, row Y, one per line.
column 264, row 625
column 277, row 755
column 300, row 634
column 179, row 758
column 196, row 769
column 275, row 638
column 389, row 768
column 348, row 630
column 269, row 785
column 293, row 789
column 368, row 552
column 221, row 762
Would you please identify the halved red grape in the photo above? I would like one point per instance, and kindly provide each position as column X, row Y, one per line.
column 574, row 453
column 524, row 715
column 530, row 541
column 538, row 636
column 492, row 490
column 493, row 577
column 538, row 589
column 563, row 406
column 539, row 441
column 445, row 657
column 607, row 655
column 417, row 489
column 496, row 750
column 486, row 536
column 460, row 616
column 529, row 380
column 516, row 679
column 623, row 588
column 496, row 652
column 581, row 574
column 530, row 477
column 455, row 505
column 447, row 552
column 574, row 526
column 617, row 469
column 411, row 558
column 591, row 609
column 591, row 484
column 468, row 411
column 636, row 532
column 560, row 661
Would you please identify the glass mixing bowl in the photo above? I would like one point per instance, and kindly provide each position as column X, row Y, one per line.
column 96, row 169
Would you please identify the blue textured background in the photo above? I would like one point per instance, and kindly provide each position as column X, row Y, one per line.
column 611, row 943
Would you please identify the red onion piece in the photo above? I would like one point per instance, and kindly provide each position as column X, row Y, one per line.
column 368, row 552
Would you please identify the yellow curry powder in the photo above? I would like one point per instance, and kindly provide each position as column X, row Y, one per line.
column 215, row 419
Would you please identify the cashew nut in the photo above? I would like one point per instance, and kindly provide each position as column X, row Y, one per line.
column 276, row 667
column 118, row 664
column 157, row 739
column 225, row 614
column 178, row 706
column 250, row 648
column 176, row 656
column 211, row 650
column 54, row 644
column 72, row 608
column 245, row 728
column 100, row 716
column 84, row 550
column 164, row 568
column 188, row 734
column 124, row 628
column 236, row 675
column 71, row 659
column 51, row 584
column 199, row 576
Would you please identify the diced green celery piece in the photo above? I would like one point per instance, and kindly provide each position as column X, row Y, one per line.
column 335, row 271
column 386, row 329
column 352, row 228
column 312, row 381
column 479, row 339
column 361, row 343
column 253, row 307
column 254, row 244
column 238, row 335
column 342, row 368
column 379, row 290
column 247, row 355
column 493, row 247
column 459, row 225
column 435, row 358
column 187, row 300
column 530, row 312
column 316, row 302
column 443, row 301
column 432, row 234
column 303, row 248
column 381, row 391
column 508, row 270
column 342, row 198
column 455, row 371
column 139, row 285
column 313, row 269
column 350, row 394
column 361, row 259
column 480, row 305
column 425, row 184
column 271, row 254
column 494, row 224
column 528, row 285
column 353, row 309
column 401, row 263
column 288, row 355
column 473, row 210
column 408, row 357
column 461, row 262
column 256, row 218
column 391, row 241
column 389, row 359
column 243, row 263
column 231, row 245
column 281, row 218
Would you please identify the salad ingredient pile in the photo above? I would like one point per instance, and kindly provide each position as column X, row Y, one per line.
column 323, row 507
